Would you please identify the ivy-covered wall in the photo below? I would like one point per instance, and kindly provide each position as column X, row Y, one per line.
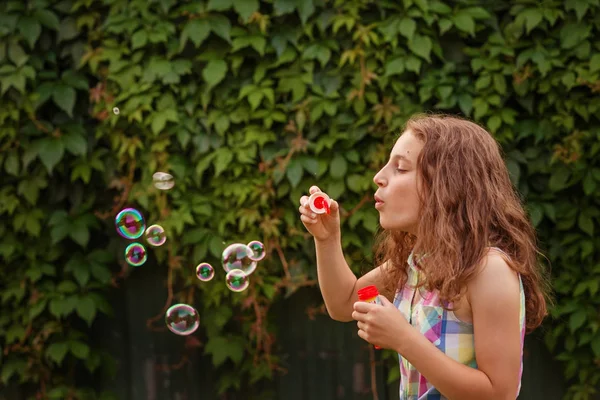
column 248, row 103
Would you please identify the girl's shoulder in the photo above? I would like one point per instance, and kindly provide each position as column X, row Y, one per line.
column 494, row 277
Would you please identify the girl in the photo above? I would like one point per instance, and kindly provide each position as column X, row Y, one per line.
column 458, row 268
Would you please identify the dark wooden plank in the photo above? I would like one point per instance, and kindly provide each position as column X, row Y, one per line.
column 542, row 376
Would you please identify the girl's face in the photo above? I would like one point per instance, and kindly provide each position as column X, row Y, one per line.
column 397, row 198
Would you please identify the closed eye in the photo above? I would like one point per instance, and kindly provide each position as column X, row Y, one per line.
column 401, row 170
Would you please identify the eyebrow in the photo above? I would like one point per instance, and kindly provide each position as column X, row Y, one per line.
column 400, row 157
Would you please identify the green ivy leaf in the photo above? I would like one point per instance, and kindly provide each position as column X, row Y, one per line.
column 16, row 54
column 221, row 26
column 558, row 179
column 245, row 8
column 86, row 309
column 75, row 143
column 494, row 123
column 139, row 39
column 197, row 30
column 294, row 172
column 421, row 46
column 219, row 5
column 81, row 274
column 64, row 97
column 51, row 151
column 57, row 351
column 79, row 349
column 223, row 158
column 305, row 9
column 59, row 307
column 284, row 6
column 464, row 22
column 465, row 102
column 532, row 17
column 79, row 232
column 12, row 367
column 586, row 223
column 573, row 33
column 338, row 167
column 37, row 308
column 47, row 18
column 407, row 28
column 595, row 63
column 577, row 320
column 31, row 29
column 222, row 349
column 595, row 344
column 11, row 165
column 394, row 66
column 214, row 72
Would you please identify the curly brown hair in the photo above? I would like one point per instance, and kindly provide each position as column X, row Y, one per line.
column 468, row 204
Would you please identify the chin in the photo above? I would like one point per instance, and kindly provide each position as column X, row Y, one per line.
column 395, row 226
column 387, row 225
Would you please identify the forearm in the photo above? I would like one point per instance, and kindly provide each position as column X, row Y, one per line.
column 454, row 380
column 336, row 280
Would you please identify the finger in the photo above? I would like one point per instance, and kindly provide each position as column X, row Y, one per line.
column 363, row 307
column 334, row 206
column 362, row 326
column 307, row 220
column 363, row 335
column 304, row 201
column 306, row 212
column 314, row 189
column 358, row 316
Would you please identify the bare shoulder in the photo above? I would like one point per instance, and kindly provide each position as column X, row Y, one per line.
column 494, row 280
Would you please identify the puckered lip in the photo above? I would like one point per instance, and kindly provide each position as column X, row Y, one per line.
column 378, row 199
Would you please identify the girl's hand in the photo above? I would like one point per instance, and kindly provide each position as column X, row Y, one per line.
column 381, row 324
column 323, row 227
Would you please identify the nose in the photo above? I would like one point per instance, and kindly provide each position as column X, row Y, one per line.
column 379, row 178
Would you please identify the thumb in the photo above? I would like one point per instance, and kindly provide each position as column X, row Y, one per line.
column 334, row 206
column 384, row 301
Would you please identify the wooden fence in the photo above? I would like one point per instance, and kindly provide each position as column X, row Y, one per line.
column 324, row 359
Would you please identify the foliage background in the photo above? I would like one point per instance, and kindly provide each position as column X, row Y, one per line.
column 247, row 103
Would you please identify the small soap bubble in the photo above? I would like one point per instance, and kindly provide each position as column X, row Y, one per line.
column 155, row 235
column 237, row 280
column 258, row 249
column 130, row 223
column 116, row 110
column 182, row 319
column 135, row 254
column 238, row 256
column 163, row 181
column 205, row 272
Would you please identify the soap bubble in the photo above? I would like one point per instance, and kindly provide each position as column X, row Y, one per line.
column 130, row 223
column 258, row 249
column 238, row 256
column 116, row 110
column 237, row 280
column 135, row 254
column 182, row 319
column 163, row 181
column 205, row 272
column 155, row 235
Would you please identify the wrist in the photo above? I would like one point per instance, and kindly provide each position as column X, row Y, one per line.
column 406, row 339
column 334, row 240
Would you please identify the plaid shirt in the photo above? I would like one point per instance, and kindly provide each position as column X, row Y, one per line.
column 453, row 337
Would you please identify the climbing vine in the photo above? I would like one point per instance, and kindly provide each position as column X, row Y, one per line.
column 248, row 103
